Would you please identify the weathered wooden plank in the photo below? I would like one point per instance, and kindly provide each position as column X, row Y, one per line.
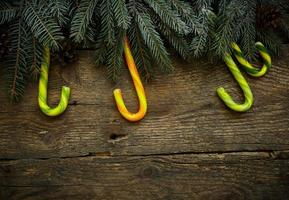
column 197, row 81
column 203, row 176
column 185, row 115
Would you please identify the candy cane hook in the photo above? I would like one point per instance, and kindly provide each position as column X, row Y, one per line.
column 42, row 96
column 256, row 72
column 133, row 117
column 249, row 99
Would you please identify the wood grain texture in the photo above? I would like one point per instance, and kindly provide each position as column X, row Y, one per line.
column 184, row 114
column 210, row 176
column 189, row 146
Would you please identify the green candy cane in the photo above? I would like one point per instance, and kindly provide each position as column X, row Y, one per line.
column 256, row 72
column 42, row 96
column 249, row 99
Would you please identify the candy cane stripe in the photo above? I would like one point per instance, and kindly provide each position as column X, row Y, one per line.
column 256, row 72
column 43, row 83
column 133, row 117
column 249, row 99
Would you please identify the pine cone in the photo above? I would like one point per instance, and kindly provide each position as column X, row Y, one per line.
column 268, row 16
column 68, row 53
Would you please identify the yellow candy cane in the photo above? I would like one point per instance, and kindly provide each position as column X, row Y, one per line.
column 256, row 72
column 42, row 96
column 133, row 117
column 249, row 99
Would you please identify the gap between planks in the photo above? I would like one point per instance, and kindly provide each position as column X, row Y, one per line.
column 266, row 155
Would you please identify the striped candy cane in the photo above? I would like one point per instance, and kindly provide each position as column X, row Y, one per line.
column 133, row 117
column 256, row 72
column 42, row 96
column 249, row 99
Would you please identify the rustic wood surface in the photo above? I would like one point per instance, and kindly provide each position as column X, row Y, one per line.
column 189, row 146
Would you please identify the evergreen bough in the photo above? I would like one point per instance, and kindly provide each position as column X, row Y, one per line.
column 31, row 26
column 222, row 22
column 192, row 28
column 147, row 23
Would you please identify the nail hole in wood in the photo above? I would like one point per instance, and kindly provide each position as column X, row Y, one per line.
column 114, row 136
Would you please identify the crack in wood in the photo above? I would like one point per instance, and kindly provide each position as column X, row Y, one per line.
column 272, row 155
column 114, row 137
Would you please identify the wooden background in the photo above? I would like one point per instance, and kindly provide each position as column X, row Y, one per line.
column 189, row 146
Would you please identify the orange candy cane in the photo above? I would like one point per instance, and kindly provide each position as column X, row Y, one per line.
column 133, row 117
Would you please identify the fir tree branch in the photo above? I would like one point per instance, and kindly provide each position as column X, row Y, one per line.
column 7, row 12
column 60, row 9
column 186, row 13
column 82, row 19
column 114, row 57
column 107, row 22
column 227, row 22
column 199, row 44
column 36, row 59
column 247, row 31
column 169, row 16
column 176, row 40
column 100, row 51
column 140, row 52
column 153, row 41
column 203, row 4
column 121, row 14
column 135, row 6
column 45, row 30
column 16, row 65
